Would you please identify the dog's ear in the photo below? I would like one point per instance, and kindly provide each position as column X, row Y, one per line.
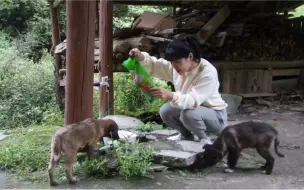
column 113, row 130
column 212, row 149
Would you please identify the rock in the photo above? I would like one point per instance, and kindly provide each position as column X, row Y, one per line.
column 176, row 153
column 151, row 137
column 174, row 138
column 227, row 170
column 125, row 122
column 141, row 137
column 127, row 136
column 112, row 162
column 263, row 102
column 164, row 133
column 3, row 135
column 158, row 168
column 190, row 146
column 174, row 158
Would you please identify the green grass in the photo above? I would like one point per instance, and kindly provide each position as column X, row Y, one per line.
column 149, row 127
column 25, row 154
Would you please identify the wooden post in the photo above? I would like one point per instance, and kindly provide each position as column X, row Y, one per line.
column 57, row 61
column 105, row 53
column 97, row 19
column 80, row 60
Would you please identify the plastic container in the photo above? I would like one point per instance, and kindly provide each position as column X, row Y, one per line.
column 142, row 79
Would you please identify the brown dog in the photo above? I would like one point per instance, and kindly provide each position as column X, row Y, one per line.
column 82, row 135
column 234, row 138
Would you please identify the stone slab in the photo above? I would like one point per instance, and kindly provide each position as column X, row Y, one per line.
column 180, row 153
column 164, row 132
column 158, row 168
column 190, row 146
column 174, row 158
column 3, row 135
column 125, row 122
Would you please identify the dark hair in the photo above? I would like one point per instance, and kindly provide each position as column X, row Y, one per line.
column 180, row 48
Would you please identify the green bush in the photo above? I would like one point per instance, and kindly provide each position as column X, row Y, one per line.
column 26, row 88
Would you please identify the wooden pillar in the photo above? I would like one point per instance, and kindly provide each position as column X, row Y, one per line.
column 57, row 61
column 106, row 53
column 97, row 19
column 80, row 60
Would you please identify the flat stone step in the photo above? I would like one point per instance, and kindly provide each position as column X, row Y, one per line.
column 125, row 122
column 176, row 154
column 174, row 158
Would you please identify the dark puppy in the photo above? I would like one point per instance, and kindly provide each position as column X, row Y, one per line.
column 82, row 135
column 234, row 138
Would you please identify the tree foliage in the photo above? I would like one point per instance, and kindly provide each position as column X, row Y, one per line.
column 28, row 22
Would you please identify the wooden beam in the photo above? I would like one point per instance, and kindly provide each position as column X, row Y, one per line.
column 255, row 95
column 286, row 72
column 262, row 64
column 106, row 53
column 208, row 29
column 80, row 60
column 57, row 60
column 152, row 3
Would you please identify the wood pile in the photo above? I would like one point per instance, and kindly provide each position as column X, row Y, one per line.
column 262, row 39
column 251, row 37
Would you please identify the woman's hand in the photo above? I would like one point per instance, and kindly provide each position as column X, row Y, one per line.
column 161, row 93
column 136, row 52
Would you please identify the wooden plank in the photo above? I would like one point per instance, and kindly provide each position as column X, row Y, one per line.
column 211, row 26
column 224, row 80
column 248, row 81
column 285, row 72
column 255, row 95
column 251, row 81
column 261, row 65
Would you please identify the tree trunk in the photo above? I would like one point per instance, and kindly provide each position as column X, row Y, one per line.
column 79, row 60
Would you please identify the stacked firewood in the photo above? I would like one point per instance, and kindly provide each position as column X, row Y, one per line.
column 263, row 42
column 262, row 39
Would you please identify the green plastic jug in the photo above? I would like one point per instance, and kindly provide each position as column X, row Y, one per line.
column 142, row 79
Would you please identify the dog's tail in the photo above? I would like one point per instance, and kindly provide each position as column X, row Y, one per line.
column 56, row 147
column 276, row 147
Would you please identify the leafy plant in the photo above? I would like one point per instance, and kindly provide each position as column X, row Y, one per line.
column 135, row 160
column 97, row 167
column 149, row 127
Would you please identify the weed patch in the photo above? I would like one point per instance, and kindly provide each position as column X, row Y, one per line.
column 25, row 153
column 149, row 127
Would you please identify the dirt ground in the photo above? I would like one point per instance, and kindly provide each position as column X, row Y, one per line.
column 288, row 172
